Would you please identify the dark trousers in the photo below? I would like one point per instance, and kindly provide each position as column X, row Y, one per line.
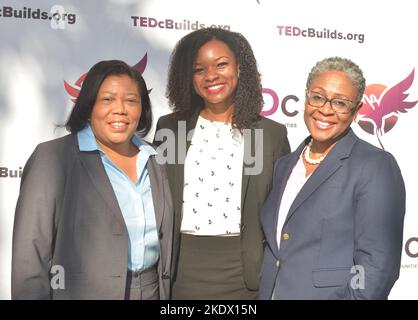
column 142, row 285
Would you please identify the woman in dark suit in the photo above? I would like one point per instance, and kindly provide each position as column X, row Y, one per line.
column 334, row 218
column 220, row 154
column 94, row 214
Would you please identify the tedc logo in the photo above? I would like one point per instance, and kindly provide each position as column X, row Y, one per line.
column 73, row 91
column 382, row 106
column 408, row 247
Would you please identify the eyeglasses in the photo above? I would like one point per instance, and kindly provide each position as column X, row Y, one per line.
column 339, row 105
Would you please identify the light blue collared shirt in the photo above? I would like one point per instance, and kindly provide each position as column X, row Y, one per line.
column 135, row 201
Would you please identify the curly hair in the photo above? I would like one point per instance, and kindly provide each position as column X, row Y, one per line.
column 181, row 95
column 340, row 64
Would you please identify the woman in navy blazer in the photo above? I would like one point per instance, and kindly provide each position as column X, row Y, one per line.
column 334, row 218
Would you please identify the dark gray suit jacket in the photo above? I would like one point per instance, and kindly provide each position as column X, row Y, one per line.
column 350, row 212
column 255, row 188
column 67, row 215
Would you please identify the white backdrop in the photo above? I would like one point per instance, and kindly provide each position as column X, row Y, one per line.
column 38, row 54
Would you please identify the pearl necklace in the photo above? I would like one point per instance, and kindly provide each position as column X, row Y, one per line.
column 308, row 159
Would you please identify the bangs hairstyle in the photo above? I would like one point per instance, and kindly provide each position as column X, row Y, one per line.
column 340, row 64
column 182, row 98
column 83, row 106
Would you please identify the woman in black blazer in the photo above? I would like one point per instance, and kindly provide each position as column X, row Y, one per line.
column 220, row 154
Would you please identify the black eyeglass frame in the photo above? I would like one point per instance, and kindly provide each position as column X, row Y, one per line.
column 326, row 100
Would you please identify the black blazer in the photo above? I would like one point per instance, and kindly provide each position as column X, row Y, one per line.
column 254, row 190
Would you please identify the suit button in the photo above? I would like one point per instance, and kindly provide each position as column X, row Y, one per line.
column 285, row 236
column 277, row 264
column 135, row 274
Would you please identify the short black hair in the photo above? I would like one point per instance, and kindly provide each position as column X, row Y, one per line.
column 83, row 106
column 180, row 92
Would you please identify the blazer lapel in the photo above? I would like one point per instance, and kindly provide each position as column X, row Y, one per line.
column 273, row 215
column 190, row 125
column 328, row 167
column 246, row 177
column 156, row 190
column 97, row 174
column 254, row 145
column 286, row 171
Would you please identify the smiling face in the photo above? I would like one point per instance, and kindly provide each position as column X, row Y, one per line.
column 116, row 112
column 324, row 125
column 215, row 76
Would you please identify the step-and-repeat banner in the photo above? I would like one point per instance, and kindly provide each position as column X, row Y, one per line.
column 47, row 46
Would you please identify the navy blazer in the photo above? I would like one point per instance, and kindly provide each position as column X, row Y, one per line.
column 343, row 230
column 67, row 215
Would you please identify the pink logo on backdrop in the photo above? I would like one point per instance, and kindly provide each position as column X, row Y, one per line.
column 74, row 90
column 382, row 106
